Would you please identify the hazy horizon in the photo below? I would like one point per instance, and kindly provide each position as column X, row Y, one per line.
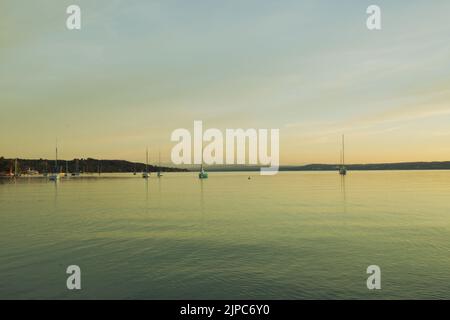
column 137, row 71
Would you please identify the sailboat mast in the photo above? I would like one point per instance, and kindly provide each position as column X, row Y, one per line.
column 202, row 174
column 56, row 157
column 343, row 151
column 146, row 161
column 201, row 164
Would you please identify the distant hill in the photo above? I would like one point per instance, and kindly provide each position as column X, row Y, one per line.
column 443, row 165
column 88, row 165
column 436, row 165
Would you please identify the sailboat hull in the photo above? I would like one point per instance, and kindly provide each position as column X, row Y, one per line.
column 145, row 174
column 342, row 169
column 54, row 177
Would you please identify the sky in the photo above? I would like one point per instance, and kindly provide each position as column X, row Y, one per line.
column 137, row 70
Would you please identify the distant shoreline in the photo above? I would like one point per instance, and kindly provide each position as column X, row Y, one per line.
column 87, row 165
column 433, row 165
column 90, row 165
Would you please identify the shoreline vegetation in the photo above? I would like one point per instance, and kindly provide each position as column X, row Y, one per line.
column 88, row 165
column 91, row 165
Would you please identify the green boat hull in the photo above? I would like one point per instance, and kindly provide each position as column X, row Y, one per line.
column 203, row 175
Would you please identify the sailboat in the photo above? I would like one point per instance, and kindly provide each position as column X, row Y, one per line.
column 66, row 174
column 202, row 174
column 55, row 176
column 77, row 169
column 10, row 174
column 45, row 169
column 16, row 168
column 342, row 169
column 145, row 174
column 159, row 175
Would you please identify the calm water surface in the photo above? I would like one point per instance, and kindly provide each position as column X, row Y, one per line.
column 292, row 236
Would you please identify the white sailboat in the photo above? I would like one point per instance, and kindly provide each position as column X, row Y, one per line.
column 342, row 169
column 159, row 175
column 45, row 170
column 202, row 174
column 146, row 174
column 55, row 176
column 16, row 168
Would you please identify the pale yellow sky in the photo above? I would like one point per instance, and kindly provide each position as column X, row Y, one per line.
column 138, row 70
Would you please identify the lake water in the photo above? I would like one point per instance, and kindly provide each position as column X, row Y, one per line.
column 296, row 235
